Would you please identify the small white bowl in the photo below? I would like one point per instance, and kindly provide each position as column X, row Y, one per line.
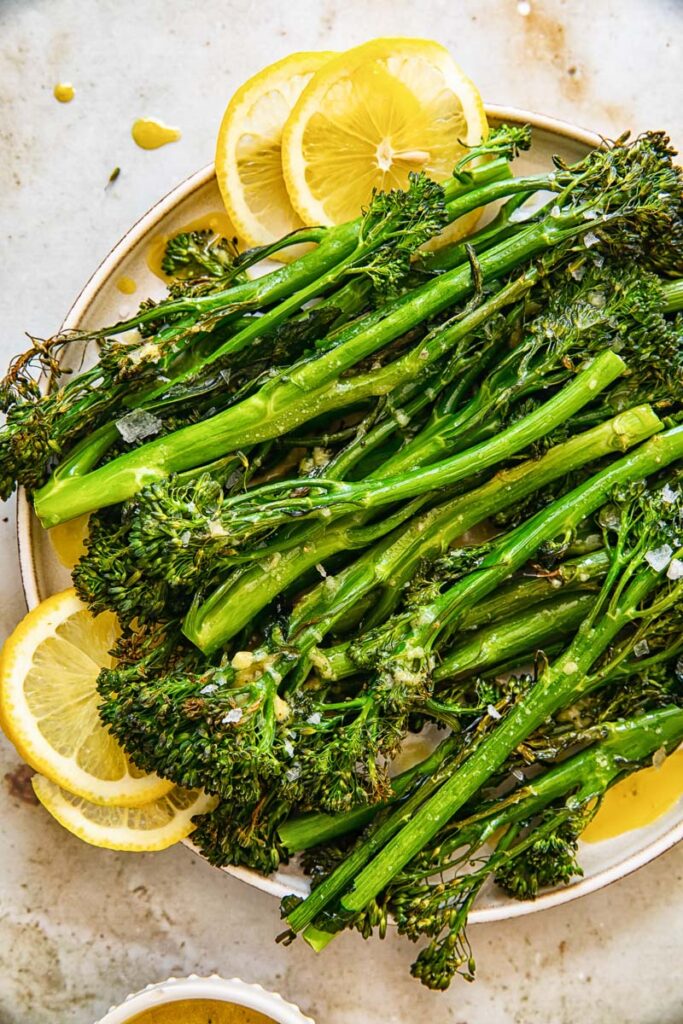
column 240, row 993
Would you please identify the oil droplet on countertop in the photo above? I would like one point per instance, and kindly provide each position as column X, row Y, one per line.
column 638, row 800
column 218, row 222
column 126, row 285
column 64, row 92
column 149, row 133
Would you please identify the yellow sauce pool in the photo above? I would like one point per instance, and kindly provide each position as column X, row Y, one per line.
column 218, row 222
column 638, row 800
column 64, row 92
column 126, row 285
column 200, row 1011
column 149, row 133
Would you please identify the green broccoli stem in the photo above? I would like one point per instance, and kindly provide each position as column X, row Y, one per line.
column 309, row 830
column 514, row 599
column 673, row 295
column 374, row 492
column 625, row 743
column 185, row 352
column 561, row 683
column 310, row 387
column 211, row 624
column 502, row 226
column 395, row 560
column 458, row 207
column 519, row 636
column 621, row 747
column 560, row 519
column 573, row 575
column 655, row 454
column 234, row 603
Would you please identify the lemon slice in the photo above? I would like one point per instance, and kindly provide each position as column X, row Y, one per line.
column 369, row 117
column 153, row 826
column 248, row 161
column 68, row 540
column 48, row 703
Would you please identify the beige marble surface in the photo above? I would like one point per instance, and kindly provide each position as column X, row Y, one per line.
column 79, row 928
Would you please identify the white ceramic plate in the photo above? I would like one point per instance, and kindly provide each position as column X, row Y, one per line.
column 101, row 302
column 233, row 991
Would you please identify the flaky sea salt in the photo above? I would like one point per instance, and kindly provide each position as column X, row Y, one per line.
column 659, row 558
column 641, row 648
column 233, row 716
column 675, row 570
column 493, row 712
column 137, row 425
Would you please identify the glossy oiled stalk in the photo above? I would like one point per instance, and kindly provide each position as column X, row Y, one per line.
column 311, row 388
column 624, row 747
column 398, row 849
column 310, row 830
column 566, row 679
column 558, row 520
column 212, row 623
column 395, row 561
column 262, row 509
column 519, row 636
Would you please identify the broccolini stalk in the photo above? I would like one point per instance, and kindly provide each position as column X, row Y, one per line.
column 315, row 829
column 173, row 536
column 305, row 831
column 405, row 643
column 268, row 506
column 308, row 389
column 618, row 307
column 318, row 612
column 510, row 554
column 537, row 586
column 397, row 558
column 626, row 599
column 628, row 194
column 137, row 374
column 514, row 639
column 630, row 316
column 543, row 821
column 211, row 624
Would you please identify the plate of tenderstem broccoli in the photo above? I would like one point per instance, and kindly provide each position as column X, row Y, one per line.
column 394, row 536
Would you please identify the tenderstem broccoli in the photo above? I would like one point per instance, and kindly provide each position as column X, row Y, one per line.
column 626, row 194
column 637, row 596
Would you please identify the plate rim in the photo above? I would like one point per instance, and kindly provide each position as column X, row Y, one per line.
column 276, row 884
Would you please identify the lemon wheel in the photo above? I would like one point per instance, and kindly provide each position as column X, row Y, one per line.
column 248, row 158
column 49, row 701
column 368, row 118
column 153, row 826
column 68, row 540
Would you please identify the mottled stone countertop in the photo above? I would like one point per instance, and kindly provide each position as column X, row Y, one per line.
column 79, row 927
